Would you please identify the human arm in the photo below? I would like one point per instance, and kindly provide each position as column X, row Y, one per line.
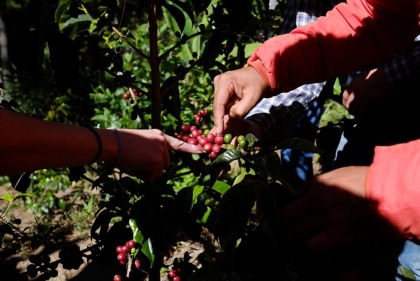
column 354, row 204
column 350, row 37
column 29, row 144
column 382, row 84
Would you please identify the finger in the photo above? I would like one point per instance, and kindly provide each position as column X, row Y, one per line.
column 222, row 94
column 178, row 145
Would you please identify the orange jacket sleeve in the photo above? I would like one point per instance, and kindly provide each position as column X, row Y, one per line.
column 393, row 188
column 351, row 36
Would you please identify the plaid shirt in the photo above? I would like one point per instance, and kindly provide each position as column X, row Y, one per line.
column 280, row 114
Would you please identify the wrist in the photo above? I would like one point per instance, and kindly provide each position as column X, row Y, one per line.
column 110, row 146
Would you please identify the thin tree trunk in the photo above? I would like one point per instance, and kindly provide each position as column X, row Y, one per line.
column 154, row 64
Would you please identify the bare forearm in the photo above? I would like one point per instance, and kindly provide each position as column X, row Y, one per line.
column 29, row 144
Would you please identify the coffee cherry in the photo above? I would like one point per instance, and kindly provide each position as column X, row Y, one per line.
column 177, row 278
column 230, row 146
column 185, row 128
column 125, row 249
column 137, row 264
column 216, row 148
column 130, row 244
column 127, row 96
column 117, row 278
column 172, row 273
column 242, row 143
column 203, row 141
column 193, row 128
column 193, row 141
column 119, row 249
column 227, row 138
column 210, row 137
column 195, row 133
column 241, row 137
column 218, row 140
column 208, row 147
column 212, row 155
column 121, row 257
column 185, row 138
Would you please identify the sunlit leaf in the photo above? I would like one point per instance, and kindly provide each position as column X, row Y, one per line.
column 221, row 187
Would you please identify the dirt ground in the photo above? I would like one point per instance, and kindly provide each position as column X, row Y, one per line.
column 95, row 269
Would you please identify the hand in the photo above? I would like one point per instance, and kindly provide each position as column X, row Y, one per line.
column 366, row 91
column 331, row 211
column 235, row 94
column 145, row 152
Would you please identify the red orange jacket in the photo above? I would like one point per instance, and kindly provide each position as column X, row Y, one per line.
column 352, row 36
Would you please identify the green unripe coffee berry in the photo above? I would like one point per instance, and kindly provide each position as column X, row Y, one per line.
column 230, row 146
column 227, row 138
column 242, row 143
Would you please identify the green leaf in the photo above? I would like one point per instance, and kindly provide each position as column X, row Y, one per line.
column 337, row 86
column 228, row 156
column 188, row 14
column 251, row 139
column 146, row 244
column 177, row 14
column 234, row 210
column 8, row 197
column 407, row 273
column 299, row 144
column 221, row 187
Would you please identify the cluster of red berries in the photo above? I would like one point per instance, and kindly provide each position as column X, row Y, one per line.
column 173, row 274
column 132, row 92
column 200, row 115
column 212, row 144
column 126, row 252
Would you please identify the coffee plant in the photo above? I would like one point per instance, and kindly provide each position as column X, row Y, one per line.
column 149, row 64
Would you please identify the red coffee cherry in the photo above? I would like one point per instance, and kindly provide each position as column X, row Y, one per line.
column 203, row 141
column 137, row 264
column 193, row 141
column 117, row 278
column 216, row 148
column 208, row 147
column 185, row 128
column 210, row 137
column 130, row 244
column 219, row 139
column 121, row 257
column 119, row 249
column 172, row 273
column 127, row 96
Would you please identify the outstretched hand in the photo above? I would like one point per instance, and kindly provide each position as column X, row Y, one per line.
column 146, row 152
column 235, row 94
column 331, row 211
